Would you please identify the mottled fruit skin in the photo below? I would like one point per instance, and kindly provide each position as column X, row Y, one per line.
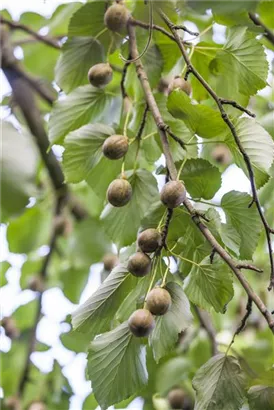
column 149, row 240
column 110, row 261
column 12, row 403
column 139, row 264
column 180, row 83
column 176, row 398
column 115, row 147
column 222, row 154
column 173, row 194
column 100, row 75
column 119, row 192
column 37, row 405
column 35, row 283
column 141, row 323
column 11, row 330
column 158, row 301
column 116, row 18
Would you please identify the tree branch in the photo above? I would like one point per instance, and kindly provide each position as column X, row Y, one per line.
column 267, row 32
column 144, row 25
column 122, row 83
column 220, row 102
column 31, row 40
column 206, row 323
column 249, row 267
column 243, row 321
column 173, row 174
column 17, row 26
column 238, row 106
column 43, row 274
column 25, row 99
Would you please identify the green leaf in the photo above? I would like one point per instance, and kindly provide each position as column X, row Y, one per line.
column 78, row 55
column 242, row 63
column 83, row 150
column 25, row 315
column 122, row 224
column 172, row 373
column 203, row 54
column 244, row 220
column 89, row 21
column 90, row 403
column 222, row 6
column 116, row 366
column 83, row 105
column 102, row 174
column 169, row 50
column 87, row 244
column 210, row 285
column 258, row 145
column 31, row 230
column 201, row 178
column 134, row 299
column 219, row 384
column 95, row 315
column 231, row 237
column 4, row 267
column 261, row 397
column 58, row 23
column 73, row 282
column 18, row 170
column 75, row 341
column 167, row 329
column 200, row 119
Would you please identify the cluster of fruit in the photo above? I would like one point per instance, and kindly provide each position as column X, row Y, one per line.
column 158, row 300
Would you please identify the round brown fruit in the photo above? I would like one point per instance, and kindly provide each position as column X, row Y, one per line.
column 222, row 154
column 149, row 240
column 158, row 301
column 110, row 261
column 37, row 405
column 100, row 75
column 173, row 194
column 116, row 18
column 35, row 283
column 10, row 327
column 119, row 192
column 115, row 147
column 179, row 82
column 176, row 398
column 141, row 323
column 139, row 264
column 12, row 403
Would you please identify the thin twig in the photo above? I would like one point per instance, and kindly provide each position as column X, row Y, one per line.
column 142, row 124
column 18, row 26
column 122, row 83
column 249, row 267
column 267, row 32
column 164, row 232
column 238, row 106
column 31, row 40
column 206, row 323
column 211, row 256
column 146, row 26
column 184, row 28
column 191, row 68
column 173, row 174
column 243, row 321
column 177, row 139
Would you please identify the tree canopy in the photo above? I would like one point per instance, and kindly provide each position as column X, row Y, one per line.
column 121, row 126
